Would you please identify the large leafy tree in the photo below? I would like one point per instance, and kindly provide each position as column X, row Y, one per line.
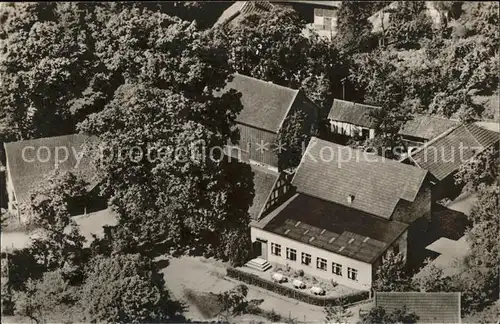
column 48, row 67
column 123, row 289
column 184, row 193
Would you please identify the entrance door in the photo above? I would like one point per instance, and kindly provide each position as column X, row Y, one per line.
column 260, row 249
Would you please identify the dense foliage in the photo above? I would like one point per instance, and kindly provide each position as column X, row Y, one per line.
column 379, row 315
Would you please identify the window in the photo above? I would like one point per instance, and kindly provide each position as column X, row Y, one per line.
column 291, row 254
column 306, row 259
column 321, row 264
column 352, row 274
column 337, row 269
column 276, row 249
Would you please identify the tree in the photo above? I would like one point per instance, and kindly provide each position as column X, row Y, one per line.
column 481, row 172
column 47, row 298
column 380, row 316
column 291, row 141
column 233, row 301
column 339, row 313
column 409, row 24
column 354, row 29
column 49, row 67
column 391, row 275
column 123, row 289
column 60, row 243
column 433, row 280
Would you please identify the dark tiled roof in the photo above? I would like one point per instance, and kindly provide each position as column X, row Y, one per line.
column 444, row 155
column 352, row 113
column 434, row 307
column 332, row 172
column 265, row 104
column 333, row 227
column 28, row 175
column 263, row 182
column 237, row 10
column 426, row 127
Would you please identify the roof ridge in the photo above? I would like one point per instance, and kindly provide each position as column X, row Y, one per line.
column 288, row 109
column 46, row 138
column 266, row 82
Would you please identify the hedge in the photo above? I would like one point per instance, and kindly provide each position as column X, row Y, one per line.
column 255, row 280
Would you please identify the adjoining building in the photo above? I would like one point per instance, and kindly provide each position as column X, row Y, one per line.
column 30, row 162
column 239, row 9
column 266, row 107
column 430, row 307
column 352, row 119
column 349, row 209
column 444, row 155
column 422, row 128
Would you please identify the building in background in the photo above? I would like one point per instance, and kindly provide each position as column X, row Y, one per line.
column 422, row 128
column 352, row 119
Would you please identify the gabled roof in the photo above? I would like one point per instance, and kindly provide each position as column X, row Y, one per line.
column 27, row 170
column 352, row 113
column 263, row 182
column 427, row 127
column 241, row 8
column 430, row 307
column 333, row 172
column 265, row 104
column 333, row 227
column 444, row 155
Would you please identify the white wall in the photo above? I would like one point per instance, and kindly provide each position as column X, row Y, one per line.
column 364, row 269
column 349, row 129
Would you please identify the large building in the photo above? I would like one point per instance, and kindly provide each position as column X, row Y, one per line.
column 30, row 162
column 349, row 209
column 266, row 107
column 352, row 119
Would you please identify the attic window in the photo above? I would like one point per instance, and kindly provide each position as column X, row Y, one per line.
column 322, row 231
column 366, row 239
column 311, row 239
column 298, row 223
column 307, row 231
column 350, row 241
column 287, row 231
column 341, row 249
column 350, row 199
column 331, row 240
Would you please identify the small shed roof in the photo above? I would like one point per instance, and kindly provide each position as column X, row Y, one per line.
column 353, row 113
column 444, row 155
column 430, row 307
column 427, row 127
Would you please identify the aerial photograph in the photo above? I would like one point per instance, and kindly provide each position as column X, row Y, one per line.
column 292, row 162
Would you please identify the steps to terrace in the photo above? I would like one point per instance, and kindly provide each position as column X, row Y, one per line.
column 259, row 264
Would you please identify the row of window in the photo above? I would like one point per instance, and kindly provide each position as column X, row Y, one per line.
column 306, row 259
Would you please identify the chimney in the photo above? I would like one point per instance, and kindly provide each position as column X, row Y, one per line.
column 350, row 198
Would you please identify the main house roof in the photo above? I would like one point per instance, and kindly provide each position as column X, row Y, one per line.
column 430, row 307
column 240, row 8
column 265, row 104
column 427, row 127
column 333, row 227
column 263, row 183
column 352, row 113
column 333, row 172
column 444, row 154
column 27, row 170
